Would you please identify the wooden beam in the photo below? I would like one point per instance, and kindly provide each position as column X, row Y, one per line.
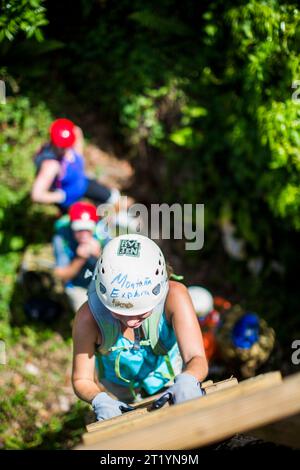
column 218, row 386
column 199, row 425
column 142, row 407
column 100, row 425
column 133, row 421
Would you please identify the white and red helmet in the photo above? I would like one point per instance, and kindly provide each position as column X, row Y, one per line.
column 83, row 216
column 131, row 275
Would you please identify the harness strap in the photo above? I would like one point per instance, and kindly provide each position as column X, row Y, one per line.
column 117, row 369
column 169, row 366
column 143, row 342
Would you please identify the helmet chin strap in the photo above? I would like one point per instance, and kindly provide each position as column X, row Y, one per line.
column 137, row 339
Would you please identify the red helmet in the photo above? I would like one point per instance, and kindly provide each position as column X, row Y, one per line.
column 62, row 133
column 83, row 216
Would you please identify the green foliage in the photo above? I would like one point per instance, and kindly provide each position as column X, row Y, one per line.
column 23, row 127
column 27, row 16
column 9, row 265
column 280, row 132
column 27, row 420
column 141, row 115
column 31, row 415
column 233, row 119
column 201, row 93
column 209, row 87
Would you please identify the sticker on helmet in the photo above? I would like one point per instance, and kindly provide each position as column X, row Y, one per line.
column 117, row 303
column 129, row 248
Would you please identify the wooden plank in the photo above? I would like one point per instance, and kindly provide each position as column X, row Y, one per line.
column 207, row 383
column 218, row 386
column 91, row 428
column 143, row 406
column 197, row 425
column 131, row 420
column 255, row 383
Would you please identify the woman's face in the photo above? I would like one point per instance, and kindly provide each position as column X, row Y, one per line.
column 132, row 321
column 83, row 236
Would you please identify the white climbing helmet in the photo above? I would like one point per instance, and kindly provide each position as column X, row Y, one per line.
column 131, row 275
column 202, row 299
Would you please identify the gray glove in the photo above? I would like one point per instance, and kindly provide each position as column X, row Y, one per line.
column 186, row 387
column 106, row 407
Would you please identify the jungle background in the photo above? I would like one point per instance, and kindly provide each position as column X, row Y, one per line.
column 189, row 102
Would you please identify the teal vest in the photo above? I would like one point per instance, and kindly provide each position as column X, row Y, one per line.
column 145, row 363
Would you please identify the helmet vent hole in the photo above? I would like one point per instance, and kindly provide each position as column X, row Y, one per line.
column 157, row 272
column 159, row 263
column 102, row 270
column 102, row 288
column 156, row 289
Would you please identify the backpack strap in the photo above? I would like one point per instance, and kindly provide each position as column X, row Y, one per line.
column 151, row 329
column 108, row 325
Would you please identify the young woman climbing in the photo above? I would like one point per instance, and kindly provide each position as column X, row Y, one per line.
column 138, row 332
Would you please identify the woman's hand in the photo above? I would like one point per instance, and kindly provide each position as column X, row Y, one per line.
column 106, row 407
column 95, row 248
column 84, row 250
column 90, row 248
column 186, row 387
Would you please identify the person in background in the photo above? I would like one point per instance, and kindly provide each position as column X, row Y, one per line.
column 60, row 174
column 78, row 241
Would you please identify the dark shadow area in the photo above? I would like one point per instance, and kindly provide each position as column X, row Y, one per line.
column 244, row 443
column 36, row 302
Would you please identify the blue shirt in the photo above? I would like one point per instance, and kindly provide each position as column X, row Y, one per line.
column 71, row 179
